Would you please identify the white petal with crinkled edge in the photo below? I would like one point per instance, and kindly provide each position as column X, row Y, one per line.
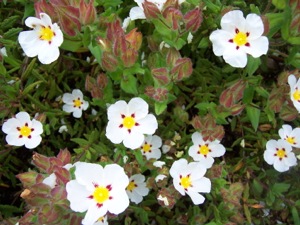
column 138, row 107
column 34, row 22
column 68, row 108
column 77, row 195
column 115, row 111
column 258, row 47
column 217, row 149
column 33, row 142
column 196, row 197
column 49, row 53
column 291, row 159
column 254, row 26
column 147, row 125
column 77, row 94
column 114, row 133
column 68, row 98
column 232, row 20
column 234, row 57
column 14, row 140
column 133, row 140
column 280, row 166
column 292, row 80
column 77, row 113
column 220, row 40
column 136, row 13
column 89, row 173
column 38, row 127
column 116, row 176
column 10, row 126
column 154, row 154
column 94, row 213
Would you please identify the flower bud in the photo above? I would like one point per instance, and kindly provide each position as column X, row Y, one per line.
column 193, row 20
column 134, row 38
column 151, row 10
column 161, row 75
column 183, row 68
column 87, row 12
column 109, row 62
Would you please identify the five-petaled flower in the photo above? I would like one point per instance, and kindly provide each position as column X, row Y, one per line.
column 43, row 41
column 129, row 122
column 74, row 103
column 98, row 190
column 136, row 188
column 295, row 91
column 150, row 147
column 290, row 135
column 204, row 151
column 279, row 154
column 188, row 178
column 239, row 37
column 23, row 131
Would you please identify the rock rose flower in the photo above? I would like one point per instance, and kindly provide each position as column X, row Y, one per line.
column 295, row 91
column 238, row 37
column 136, row 188
column 21, row 130
column 188, row 178
column 98, row 190
column 43, row 41
column 290, row 135
column 74, row 103
column 150, row 147
column 205, row 151
column 279, row 154
column 129, row 122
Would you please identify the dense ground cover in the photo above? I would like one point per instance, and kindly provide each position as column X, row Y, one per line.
column 149, row 112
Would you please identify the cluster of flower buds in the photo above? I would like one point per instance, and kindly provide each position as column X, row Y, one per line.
column 119, row 49
column 70, row 14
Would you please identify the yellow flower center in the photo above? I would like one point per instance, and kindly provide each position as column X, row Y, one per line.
column 203, row 149
column 25, row 131
column 281, row 153
column 128, row 122
column 146, row 147
column 291, row 140
column 240, row 38
column 131, row 186
column 101, row 194
column 46, row 34
column 296, row 95
column 185, row 182
column 77, row 103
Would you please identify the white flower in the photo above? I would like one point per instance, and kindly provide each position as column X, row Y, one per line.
column 160, row 177
column 164, row 199
column 295, row 91
column 290, row 135
column 23, row 131
column 3, row 52
column 166, row 148
column 150, row 147
column 43, row 41
column 102, row 221
column 137, row 12
column 62, row 129
column 238, row 37
column 74, row 103
column 50, row 180
column 129, row 122
column 189, row 38
column 188, row 178
column 159, row 164
column 136, row 188
column 98, row 190
column 279, row 154
column 204, row 151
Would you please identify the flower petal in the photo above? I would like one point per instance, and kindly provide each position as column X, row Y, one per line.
column 138, row 107
column 88, row 174
column 30, row 43
column 254, row 25
column 220, row 40
column 147, row 125
column 232, row 20
column 14, row 140
column 235, row 57
column 68, row 108
column 196, row 197
column 33, row 142
column 115, row 111
column 93, row 214
column 136, row 13
column 133, row 140
column 77, row 194
column 114, row 133
column 77, row 113
column 49, row 54
column 257, row 47
column 280, row 165
column 119, row 202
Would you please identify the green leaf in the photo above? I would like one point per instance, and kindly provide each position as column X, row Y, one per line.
column 275, row 21
column 248, row 95
column 295, row 215
column 28, row 69
column 252, row 65
column 279, row 4
column 159, row 107
column 280, row 188
column 30, row 87
column 71, row 45
column 253, row 115
column 129, row 84
column 162, row 29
